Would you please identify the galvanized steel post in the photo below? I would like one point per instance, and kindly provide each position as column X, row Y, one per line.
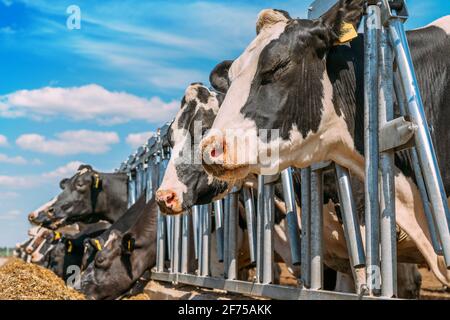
column 423, row 142
column 260, row 230
column 233, row 222
column 185, row 242
column 306, row 226
column 291, row 216
column 371, row 152
column 269, row 216
column 316, row 229
column 251, row 222
column 218, row 219
column 387, row 195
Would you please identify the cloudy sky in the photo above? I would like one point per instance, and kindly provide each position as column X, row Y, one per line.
column 95, row 94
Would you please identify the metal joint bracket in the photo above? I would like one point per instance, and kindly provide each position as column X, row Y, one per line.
column 397, row 135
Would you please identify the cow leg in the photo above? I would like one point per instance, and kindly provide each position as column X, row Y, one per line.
column 409, row 281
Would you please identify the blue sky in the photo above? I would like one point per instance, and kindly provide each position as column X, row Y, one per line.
column 93, row 95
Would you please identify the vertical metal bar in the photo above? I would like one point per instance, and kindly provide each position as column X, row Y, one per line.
column 218, row 218
column 226, row 231
column 176, row 242
column 350, row 218
column 200, row 231
column 138, row 181
column 316, row 229
column 232, row 236
column 269, row 214
column 205, row 270
column 185, row 241
column 387, row 195
column 169, row 224
column 306, row 226
column 131, row 190
column 260, row 230
column 424, row 144
column 195, row 218
column 401, row 100
column 251, row 222
column 161, row 231
column 372, row 32
column 291, row 216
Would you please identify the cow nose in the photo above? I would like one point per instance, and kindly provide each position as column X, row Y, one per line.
column 213, row 150
column 167, row 201
column 32, row 216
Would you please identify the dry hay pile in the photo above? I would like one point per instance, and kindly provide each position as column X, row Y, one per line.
column 141, row 296
column 24, row 281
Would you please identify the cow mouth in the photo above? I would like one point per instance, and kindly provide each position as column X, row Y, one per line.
column 230, row 174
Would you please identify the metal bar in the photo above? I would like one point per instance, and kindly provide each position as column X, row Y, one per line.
column 205, row 268
column 317, row 230
column 350, row 218
column 260, row 230
column 169, row 224
column 176, row 242
column 226, row 230
column 195, row 217
column 258, row 290
column 424, row 144
column 251, row 222
column 161, row 245
column 372, row 33
column 387, row 195
column 269, row 215
column 201, row 230
column 306, row 226
column 138, row 180
column 218, row 218
column 401, row 100
column 293, row 231
column 232, row 266
column 131, row 190
column 185, row 242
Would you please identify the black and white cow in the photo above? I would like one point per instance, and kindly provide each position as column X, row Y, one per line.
column 123, row 254
column 89, row 196
column 293, row 78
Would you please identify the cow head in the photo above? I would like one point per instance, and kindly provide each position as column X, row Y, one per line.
column 111, row 271
column 41, row 216
column 81, row 197
column 185, row 182
column 279, row 93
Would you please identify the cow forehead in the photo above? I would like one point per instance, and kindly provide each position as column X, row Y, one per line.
column 253, row 51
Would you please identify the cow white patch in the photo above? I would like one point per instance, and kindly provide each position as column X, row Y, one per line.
column 112, row 236
column 443, row 23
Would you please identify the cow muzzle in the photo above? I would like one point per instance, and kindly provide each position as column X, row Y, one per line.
column 168, row 202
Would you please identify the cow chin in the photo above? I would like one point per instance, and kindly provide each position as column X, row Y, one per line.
column 227, row 173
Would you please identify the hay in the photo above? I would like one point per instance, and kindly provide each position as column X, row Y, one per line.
column 24, row 281
column 142, row 296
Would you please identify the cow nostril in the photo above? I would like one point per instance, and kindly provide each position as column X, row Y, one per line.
column 170, row 198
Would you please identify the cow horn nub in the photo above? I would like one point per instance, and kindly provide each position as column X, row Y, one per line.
column 269, row 17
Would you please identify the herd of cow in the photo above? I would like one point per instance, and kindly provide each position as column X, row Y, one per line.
column 294, row 78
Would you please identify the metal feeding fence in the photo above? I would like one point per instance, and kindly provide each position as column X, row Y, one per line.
column 181, row 237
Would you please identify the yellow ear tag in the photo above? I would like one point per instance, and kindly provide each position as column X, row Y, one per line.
column 57, row 236
column 348, row 33
column 69, row 246
column 129, row 245
column 97, row 181
column 98, row 245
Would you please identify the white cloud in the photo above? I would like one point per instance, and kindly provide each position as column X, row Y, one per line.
column 3, row 141
column 70, row 142
column 12, row 160
column 33, row 181
column 90, row 102
column 63, row 172
column 135, row 140
column 9, row 195
column 10, row 215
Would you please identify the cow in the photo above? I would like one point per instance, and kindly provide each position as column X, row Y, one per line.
column 40, row 216
column 293, row 78
column 90, row 196
column 124, row 253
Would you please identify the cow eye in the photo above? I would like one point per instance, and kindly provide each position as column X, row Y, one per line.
column 272, row 74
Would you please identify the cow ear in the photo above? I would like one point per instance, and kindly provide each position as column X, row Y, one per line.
column 269, row 17
column 63, row 183
column 219, row 76
column 128, row 243
column 342, row 20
